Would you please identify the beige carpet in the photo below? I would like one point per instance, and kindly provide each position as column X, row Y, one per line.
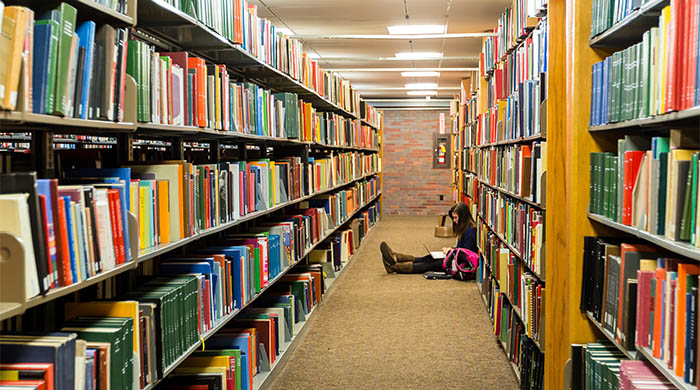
column 380, row 331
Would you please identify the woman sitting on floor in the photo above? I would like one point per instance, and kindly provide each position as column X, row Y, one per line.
column 464, row 226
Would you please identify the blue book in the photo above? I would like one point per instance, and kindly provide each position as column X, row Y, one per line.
column 89, row 368
column 86, row 33
column 82, row 245
column 223, row 341
column 71, row 238
column 44, row 188
column 123, row 178
column 605, row 90
column 40, row 69
column 259, row 109
column 57, row 348
column 239, row 256
column 274, row 253
column 689, row 305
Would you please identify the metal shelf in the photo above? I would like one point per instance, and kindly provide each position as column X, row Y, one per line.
column 518, row 140
column 11, row 310
column 24, row 121
column 630, row 354
column 629, row 30
column 681, row 248
column 512, row 195
column 87, row 9
column 663, row 369
column 685, row 119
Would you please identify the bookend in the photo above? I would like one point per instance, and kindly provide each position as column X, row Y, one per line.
column 12, row 263
column 300, row 310
column 130, row 101
column 263, row 361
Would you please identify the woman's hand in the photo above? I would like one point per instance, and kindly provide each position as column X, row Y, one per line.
column 445, row 250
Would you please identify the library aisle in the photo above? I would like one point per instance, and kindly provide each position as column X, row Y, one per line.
column 398, row 331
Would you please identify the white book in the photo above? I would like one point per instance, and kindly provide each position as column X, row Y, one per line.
column 163, row 96
column 178, row 103
column 15, row 221
column 104, row 230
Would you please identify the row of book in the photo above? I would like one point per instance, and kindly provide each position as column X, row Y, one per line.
column 524, row 291
column 129, row 340
column 651, row 183
column 370, row 114
column 513, row 25
column 518, row 169
column 519, row 224
column 601, row 365
column 80, row 227
column 607, row 13
column 653, row 77
column 58, row 67
column 520, row 350
column 645, row 299
column 515, row 92
column 238, row 21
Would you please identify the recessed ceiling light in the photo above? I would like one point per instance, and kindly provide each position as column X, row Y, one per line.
column 421, row 85
column 415, row 55
column 417, row 29
column 422, row 93
column 313, row 55
column 420, row 74
column 284, row 30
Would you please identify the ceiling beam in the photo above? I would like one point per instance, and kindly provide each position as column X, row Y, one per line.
column 361, row 89
column 395, row 37
column 340, row 59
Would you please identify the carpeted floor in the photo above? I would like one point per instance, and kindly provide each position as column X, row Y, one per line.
column 380, row 331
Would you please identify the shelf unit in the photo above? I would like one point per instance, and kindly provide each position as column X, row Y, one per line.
column 519, row 140
column 663, row 368
column 611, row 337
column 512, row 195
column 684, row 119
column 167, row 28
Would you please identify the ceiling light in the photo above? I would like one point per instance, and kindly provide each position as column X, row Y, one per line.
column 427, row 97
column 417, row 29
column 416, row 55
column 421, row 85
column 284, row 30
column 420, row 74
column 313, row 56
column 422, row 93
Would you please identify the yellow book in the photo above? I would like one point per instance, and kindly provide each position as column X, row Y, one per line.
column 14, row 29
column 142, row 220
column 109, row 309
column 273, row 175
column 164, row 210
column 218, row 97
column 78, row 258
column 308, row 113
column 209, row 361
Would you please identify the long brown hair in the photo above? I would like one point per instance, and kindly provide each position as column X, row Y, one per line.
column 464, row 217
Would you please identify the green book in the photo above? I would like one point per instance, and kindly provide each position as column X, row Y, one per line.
column 113, row 336
column 694, row 197
column 126, row 324
column 643, row 110
column 686, row 215
column 164, row 321
column 613, row 190
column 53, row 57
column 187, row 288
column 593, row 201
column 132, row 59
column 63, row 71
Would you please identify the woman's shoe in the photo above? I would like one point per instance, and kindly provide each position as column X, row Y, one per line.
column 387, row 257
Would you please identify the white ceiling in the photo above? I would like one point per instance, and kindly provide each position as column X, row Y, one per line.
column 331, row 17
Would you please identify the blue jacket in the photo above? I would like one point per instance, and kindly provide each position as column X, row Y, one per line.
column 468, row 240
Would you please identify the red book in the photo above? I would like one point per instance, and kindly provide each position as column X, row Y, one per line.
column 630, row 256
column 694, row 19
column 65, row 275
column 201, row 80
column 241, row 200
column 116, row 222
column 633, row 159
column 658, row 312
column 207, row 305
column 644, row 307
column 33, row 384
column 119, row 115
column 672, row 52
column 43, row 370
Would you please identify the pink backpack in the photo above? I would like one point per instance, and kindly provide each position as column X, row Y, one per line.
column 461, row 263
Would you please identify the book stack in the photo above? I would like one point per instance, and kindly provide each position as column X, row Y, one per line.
column 653, row 77
column 524, row 291
column 370, row 114
column 62, row 68
column 519, row 224
column 70, row 232
column 651, row 184
column 646, row 300
column 518, row 169
column 639, row 375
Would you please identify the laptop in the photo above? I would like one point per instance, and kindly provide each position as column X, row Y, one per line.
column 437, row 255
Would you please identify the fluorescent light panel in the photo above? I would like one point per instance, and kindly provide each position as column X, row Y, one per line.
column 422, row 93
column 313, row 56
column 416, row 29
column 414, row 55
column 284, row 30
column 420, row 74
column 421, row 85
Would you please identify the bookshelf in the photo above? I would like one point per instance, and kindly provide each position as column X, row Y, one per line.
column 583, row 136
column 340, row 155
column 493, row 186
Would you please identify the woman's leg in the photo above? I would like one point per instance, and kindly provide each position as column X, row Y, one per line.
column 429, row 265
column 423, row 259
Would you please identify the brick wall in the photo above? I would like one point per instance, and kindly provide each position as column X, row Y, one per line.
column 411, row 185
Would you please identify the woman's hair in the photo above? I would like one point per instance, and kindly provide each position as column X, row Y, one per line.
column 465, row 218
